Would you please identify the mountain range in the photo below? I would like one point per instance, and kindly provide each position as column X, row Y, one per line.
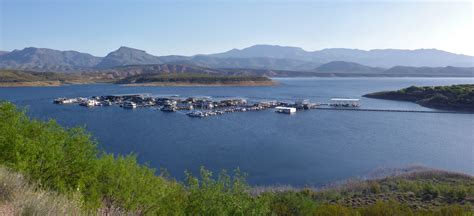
column 255, row 58
column 42, row 59
column 376, row 58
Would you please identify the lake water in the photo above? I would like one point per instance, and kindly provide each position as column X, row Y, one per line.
column 308, row 148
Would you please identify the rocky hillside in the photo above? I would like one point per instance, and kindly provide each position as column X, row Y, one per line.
column 346, row 67
column 127, row 56
column 41, row 59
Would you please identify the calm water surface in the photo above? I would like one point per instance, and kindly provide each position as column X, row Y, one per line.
column 308, row 148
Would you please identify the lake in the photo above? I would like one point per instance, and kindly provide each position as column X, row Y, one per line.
column 308, row 148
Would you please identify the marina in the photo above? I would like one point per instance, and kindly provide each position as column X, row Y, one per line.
column 206, row 106
column 201, row 106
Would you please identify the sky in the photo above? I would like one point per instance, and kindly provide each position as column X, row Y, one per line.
column 179, row 27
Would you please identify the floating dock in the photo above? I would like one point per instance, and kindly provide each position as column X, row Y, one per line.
column 388, row 110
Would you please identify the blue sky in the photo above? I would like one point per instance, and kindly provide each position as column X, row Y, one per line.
column 209, row 26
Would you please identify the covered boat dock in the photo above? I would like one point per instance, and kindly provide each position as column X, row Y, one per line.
column 345, row 102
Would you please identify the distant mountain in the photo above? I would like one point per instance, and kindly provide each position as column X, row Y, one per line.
column 265, row 51
column 374, row 58
column 174, row 58
column 341, row 68
column 253, row 63
column 431, row 71
column 127, row 56
column 3, row 52
column 42, row 59
column 346, row 67
column 258, row 57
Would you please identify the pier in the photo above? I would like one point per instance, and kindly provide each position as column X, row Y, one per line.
column 388, row 110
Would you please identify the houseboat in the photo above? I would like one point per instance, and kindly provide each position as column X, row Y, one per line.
column 90, row 103
column 65, row 100
column 129, row 105
column 286, row 110
column 169, row 109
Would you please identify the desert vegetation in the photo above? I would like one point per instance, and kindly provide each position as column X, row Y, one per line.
column 156, row 75
column 188, row 78
column 47, row 169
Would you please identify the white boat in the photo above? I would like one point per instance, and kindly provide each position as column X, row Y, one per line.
column 90, row 103
column 65, row 100
column 287, row 110
column 129, row 105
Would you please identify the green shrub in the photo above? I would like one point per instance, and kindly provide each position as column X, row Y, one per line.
column 292, row 203
column 429, row 191
column 337, row 210
column 56, row 158
column 225, row 195
column 125, row 183
column 386, row 209
column 67, row 161
column 456, row 194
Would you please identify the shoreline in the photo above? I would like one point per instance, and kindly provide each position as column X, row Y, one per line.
column 450, row 97
column 59, row 83
column 31, row 84
column 246, row 83
column 438, row 106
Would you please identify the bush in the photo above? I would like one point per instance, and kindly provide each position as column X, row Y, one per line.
column 456, row 194
column 386, row 209
column 292, row 203
column 225, row 196
column 67, row 161
column 429, row 191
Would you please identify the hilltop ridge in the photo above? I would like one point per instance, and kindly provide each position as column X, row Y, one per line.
column 271, row 57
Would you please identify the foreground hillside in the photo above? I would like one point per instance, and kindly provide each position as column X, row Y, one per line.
column 64, row 166
column 454, row 97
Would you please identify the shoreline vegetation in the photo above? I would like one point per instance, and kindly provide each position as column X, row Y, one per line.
column 42, row 163
column 16, row 78
column 453, row 97
column 188, row 79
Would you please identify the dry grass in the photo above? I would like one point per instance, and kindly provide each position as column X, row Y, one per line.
column 19, row 197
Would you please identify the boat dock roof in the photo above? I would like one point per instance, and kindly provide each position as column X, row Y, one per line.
column 345, row 99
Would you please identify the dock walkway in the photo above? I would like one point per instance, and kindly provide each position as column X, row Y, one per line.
column 389, row 110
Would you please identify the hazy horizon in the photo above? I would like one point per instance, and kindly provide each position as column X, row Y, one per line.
column 211, row 26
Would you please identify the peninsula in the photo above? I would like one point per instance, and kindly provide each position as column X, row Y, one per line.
column 131, row 76
column 454, row 97
column 189, row 79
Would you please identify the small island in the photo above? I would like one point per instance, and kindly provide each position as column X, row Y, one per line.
column 453, row 97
